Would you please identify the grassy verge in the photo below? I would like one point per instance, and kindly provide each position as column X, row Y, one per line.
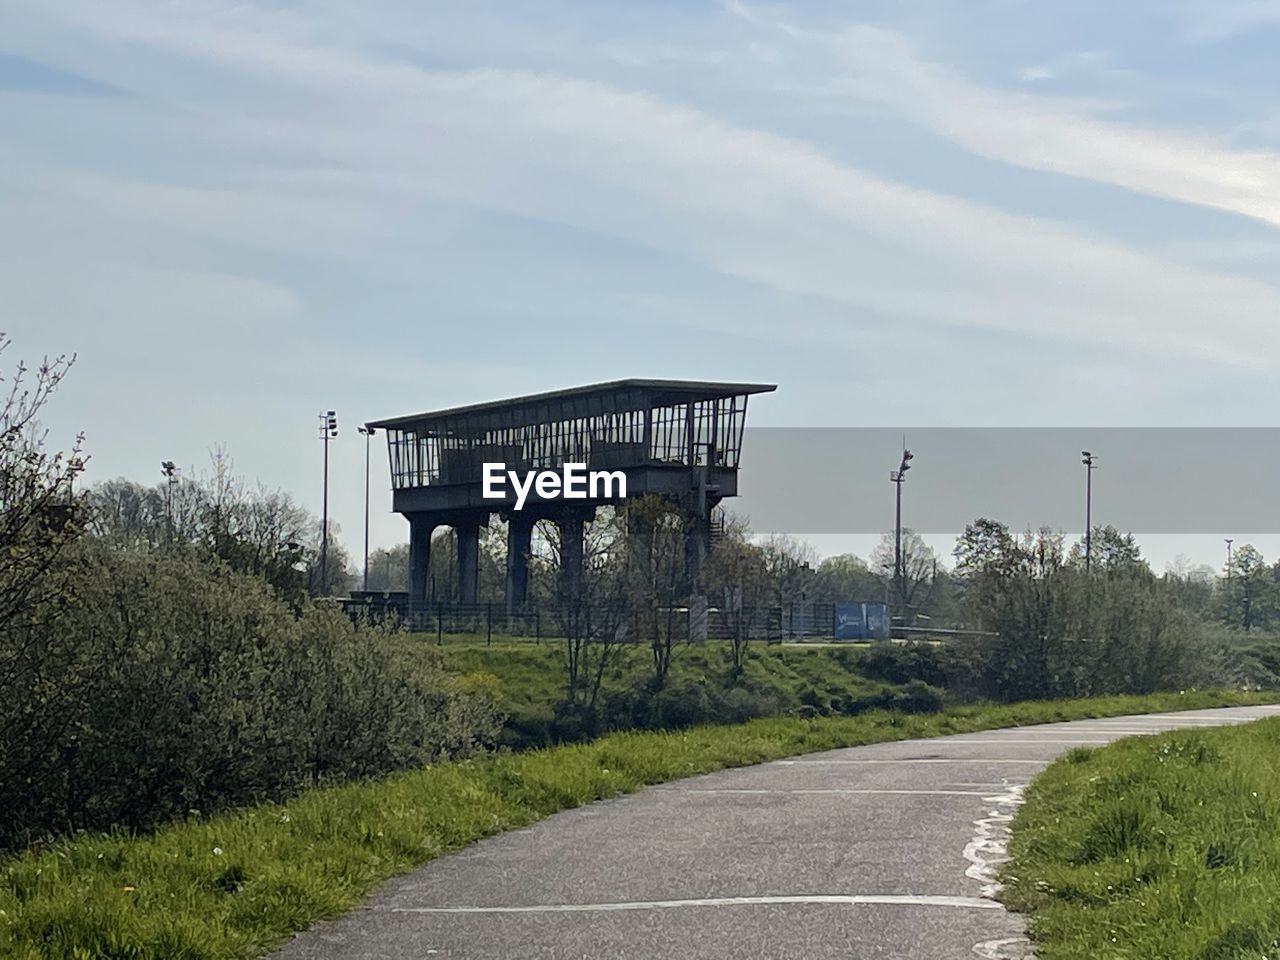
column 527, row 680
column 235, row 885
column 1155, row 848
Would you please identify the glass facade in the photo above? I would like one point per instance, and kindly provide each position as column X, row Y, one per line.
column 615, row 429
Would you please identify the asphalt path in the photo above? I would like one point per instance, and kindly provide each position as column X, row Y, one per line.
column 869, row 853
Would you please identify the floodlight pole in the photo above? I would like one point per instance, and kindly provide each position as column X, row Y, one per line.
column 1088, row 459
column 169, row 470
column 328, row 431
column 368, row 432
column 897, row 477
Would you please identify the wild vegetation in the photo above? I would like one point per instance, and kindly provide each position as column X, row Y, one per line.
column 142, row 680
column 235, row 884
column 704, row 685
column 1162, row 847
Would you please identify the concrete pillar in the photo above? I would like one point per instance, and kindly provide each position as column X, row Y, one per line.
column 697, row 544
column 519, row 543
column 420, row 531
column 571, row 572
column 468, row 536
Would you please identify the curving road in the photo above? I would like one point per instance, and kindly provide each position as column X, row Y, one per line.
column 869, row 853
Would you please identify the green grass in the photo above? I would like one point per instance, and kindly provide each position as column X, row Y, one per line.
column 1154, row 848
column 528, row 681
column 235, row 885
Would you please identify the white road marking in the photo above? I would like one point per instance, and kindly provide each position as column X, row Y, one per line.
column 1041, row 740
column 1211, row 721
column 971, row 903
column 1109, row 730
column 1010, row 948
column 821, row 763
column 988, row 848
column 897, row 793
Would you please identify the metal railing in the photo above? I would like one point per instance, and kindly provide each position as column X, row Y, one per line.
column 772, row 623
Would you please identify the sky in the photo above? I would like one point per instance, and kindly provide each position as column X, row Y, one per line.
column 905, row 214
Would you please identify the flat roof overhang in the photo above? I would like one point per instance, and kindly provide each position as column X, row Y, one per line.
column 614, row 396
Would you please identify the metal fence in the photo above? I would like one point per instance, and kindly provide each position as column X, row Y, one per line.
column 538, row 621
column 802, row 620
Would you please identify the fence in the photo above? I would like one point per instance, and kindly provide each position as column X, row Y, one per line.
column 539, row 621
column 800, row 620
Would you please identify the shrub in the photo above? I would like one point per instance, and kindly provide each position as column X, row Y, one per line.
column 904, row 662
column 185, row 686
column 918, row 697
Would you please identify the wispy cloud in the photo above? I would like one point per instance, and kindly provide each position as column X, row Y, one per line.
column 769, row 209
column 1061, row 136
column 1214, row 20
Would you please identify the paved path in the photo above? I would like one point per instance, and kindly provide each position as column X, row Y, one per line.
column 870, row 853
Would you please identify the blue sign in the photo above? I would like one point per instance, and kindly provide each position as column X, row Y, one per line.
column 850, row 621
column 861, row 621
column 877, row 615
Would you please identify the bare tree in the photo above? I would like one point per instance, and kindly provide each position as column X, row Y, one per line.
column 919, row 571
column 40, row 519
column 737, row 577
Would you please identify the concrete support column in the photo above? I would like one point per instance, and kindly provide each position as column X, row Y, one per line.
column 519, row 543
column 420, row 531
column 468, row 536
column 571, row 572
column 697, row 544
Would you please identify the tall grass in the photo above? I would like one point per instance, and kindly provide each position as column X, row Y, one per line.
column 236, row 884
column 1155, row 848
column 528, row 683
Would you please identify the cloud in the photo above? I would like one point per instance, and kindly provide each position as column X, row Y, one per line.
column 1209, row 21
column 1060, row 136
column 768, row 209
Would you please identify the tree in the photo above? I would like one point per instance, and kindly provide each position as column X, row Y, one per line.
column 919, row 572
column 41, row 518
column 389, row 569
column 39, row 512
column 1110, row 551
column 985, row 547
column 1248, row 597
column 1192, row 587
column 790, row 563
column 257, row 531
column 654, row 554
column 736, row 579
column 847, row 577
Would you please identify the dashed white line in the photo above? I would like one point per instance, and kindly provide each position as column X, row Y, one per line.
column 1039, row 740
column 841, row 791
column 970, row 903
column 821, row 763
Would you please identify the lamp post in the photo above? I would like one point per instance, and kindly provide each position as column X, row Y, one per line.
column 169, row 470
column 328, row 431
column 897, row 477
column 1088, row 459
column 368, row 432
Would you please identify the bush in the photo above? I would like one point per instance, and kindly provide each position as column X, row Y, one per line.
column 1066, row 633
column 918, row 697
column 904, row 662
column 181, row 685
